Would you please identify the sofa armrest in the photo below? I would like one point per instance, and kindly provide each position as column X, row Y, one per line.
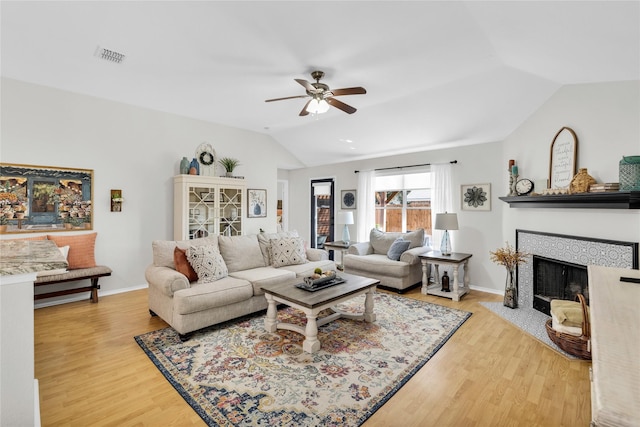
column 412, row 256
column 314, row 254
column 361, row 248
column 166, row 279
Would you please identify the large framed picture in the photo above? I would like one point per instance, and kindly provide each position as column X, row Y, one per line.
column 348, row 199
column 257, row 206
column 45, row 198
column 475, row 197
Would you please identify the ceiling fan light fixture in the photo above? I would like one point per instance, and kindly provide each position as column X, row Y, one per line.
column 318, row 106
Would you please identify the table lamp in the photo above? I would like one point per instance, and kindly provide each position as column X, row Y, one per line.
column 446, row 221
column 346, row 218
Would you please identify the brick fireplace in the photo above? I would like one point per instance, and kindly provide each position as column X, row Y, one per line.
column 566, row 255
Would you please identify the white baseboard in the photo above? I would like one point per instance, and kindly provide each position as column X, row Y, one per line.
column 487, row 290
column 84, row 297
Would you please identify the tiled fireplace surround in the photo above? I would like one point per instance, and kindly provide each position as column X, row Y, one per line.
column 573, row 249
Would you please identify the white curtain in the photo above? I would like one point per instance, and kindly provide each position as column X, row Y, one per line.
column 366, row 205
column 441, row 198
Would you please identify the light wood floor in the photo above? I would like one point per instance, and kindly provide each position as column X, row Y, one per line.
column 490, row 373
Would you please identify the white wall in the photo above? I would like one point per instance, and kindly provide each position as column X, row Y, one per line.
column 606, row 120
column 129, row 148
column 138, row 150
column 479, row 231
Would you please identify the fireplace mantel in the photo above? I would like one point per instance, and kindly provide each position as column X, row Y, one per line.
column 606, row 200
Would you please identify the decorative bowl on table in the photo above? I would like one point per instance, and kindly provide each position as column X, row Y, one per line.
column 318, row 279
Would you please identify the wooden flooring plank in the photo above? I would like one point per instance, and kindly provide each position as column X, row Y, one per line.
column 490, row 373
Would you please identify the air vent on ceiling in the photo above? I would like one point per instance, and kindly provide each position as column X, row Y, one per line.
column 109, row 55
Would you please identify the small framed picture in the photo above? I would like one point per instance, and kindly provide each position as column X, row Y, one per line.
column 257, row 206
column 475, row 197
column 348, row 199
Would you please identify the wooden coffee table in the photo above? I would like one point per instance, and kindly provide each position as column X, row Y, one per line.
column 312, row 303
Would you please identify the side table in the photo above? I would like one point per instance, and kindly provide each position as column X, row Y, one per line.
column 339, row 246
column 455, row 259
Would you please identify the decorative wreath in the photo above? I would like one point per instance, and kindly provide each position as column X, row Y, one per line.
column 206, row 158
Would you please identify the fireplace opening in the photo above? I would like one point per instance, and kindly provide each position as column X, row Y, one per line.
column 554, row 279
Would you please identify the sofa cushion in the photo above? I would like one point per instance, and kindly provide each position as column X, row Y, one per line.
column 182, row 264
column 264, row 240
column 381, row 241
column 207, row 263
column 397, row 248
column 376, row 264
column 263, row 276
column 205, row 296
column 241, row 252
column 287, row 251
column 81, row 249
column 163, row 249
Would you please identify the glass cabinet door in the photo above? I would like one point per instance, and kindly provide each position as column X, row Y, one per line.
column 202, row 202
column 230, row 211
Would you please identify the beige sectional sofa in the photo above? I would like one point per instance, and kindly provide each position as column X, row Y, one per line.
column 375, row 260
column 238, row 266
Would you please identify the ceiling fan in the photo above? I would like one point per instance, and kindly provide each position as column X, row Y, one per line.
column 321, row 96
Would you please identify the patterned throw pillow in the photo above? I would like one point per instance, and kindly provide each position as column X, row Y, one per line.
column 207, row 263
column 287, row 251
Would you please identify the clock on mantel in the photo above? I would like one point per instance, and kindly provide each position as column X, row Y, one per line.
column 604, row 200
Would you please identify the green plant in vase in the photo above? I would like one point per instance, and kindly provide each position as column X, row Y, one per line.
column 229, row 164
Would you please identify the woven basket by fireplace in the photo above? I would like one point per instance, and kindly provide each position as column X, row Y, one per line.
column 574, row 345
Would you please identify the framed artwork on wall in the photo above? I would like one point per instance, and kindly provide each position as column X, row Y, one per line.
column 257, row 206
column 475, row 197
column 562, row 160
column 45, row 198
column 348, row 199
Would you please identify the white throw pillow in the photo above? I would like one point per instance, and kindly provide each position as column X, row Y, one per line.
column 287, row 251
column 207, row 263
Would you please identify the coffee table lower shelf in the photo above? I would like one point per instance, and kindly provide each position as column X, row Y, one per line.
column 312, row 303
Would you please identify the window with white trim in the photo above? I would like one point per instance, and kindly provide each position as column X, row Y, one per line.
column 403, row 202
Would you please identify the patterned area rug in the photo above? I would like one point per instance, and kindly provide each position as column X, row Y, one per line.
column 236, row 374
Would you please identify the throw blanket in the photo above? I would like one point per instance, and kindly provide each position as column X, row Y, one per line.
column 568, row 313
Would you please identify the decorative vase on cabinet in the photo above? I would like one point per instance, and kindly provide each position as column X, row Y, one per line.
column 207, row 205
column 184, row 166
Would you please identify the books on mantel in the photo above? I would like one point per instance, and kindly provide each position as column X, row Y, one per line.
column 604, row 187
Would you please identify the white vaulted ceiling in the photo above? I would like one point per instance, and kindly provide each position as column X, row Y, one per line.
column 437, row 74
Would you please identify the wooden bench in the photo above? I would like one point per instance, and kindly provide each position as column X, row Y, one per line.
column 92, row 273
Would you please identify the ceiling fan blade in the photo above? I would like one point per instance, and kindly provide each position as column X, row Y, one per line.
column 306, row 85
column 341, row 105
column 304, row 111
column 287, row 97
column 349, row 91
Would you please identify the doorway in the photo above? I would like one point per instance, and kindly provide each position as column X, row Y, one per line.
column 322, row 203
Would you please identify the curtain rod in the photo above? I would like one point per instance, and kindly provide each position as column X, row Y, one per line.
column 453, row 162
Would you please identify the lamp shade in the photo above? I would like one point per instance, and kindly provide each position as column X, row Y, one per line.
column 317, row 106
column 446, row 221
column 344, row 217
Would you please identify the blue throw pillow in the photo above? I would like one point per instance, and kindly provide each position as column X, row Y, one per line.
column 397, row 248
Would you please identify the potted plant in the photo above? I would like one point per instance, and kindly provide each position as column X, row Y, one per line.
column 229, row 164
column 76, row 222
column 3, row 223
